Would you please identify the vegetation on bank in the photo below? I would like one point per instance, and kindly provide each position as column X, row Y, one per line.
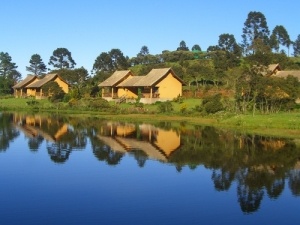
column 185, row 111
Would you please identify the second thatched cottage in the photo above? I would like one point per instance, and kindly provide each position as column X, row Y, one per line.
column 158, row 85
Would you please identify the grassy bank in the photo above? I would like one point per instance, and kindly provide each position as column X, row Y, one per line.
column 281, row 124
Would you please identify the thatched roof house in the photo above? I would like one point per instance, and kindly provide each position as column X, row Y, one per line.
column 159, row 84
column 35, row 88
column 20, row 87
column 275, row 71
column 32, row 85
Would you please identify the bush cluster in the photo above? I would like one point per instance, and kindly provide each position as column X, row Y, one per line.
column 164, row 107
column 93, row 104
column 211, row 104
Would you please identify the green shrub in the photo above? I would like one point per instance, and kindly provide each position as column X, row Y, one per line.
column 32, row 102
column 178, row 99
column 73, row 102
column 67, row 98
column 139, row 105
column 98, row 104
column 183, row 108
column 165, row 107
column 54, row 91
column 212, row 104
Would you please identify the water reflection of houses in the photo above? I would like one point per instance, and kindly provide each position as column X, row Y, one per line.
column 57, row 133
column 34, row 125
column 155, row 142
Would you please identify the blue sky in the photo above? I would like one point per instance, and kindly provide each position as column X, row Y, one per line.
column 89, row 27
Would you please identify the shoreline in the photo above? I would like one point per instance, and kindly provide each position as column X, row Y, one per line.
column 282, row 124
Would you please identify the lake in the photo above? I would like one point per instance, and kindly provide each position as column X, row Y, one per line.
column 73, row 170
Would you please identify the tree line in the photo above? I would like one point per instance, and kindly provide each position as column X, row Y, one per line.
column 224, row 65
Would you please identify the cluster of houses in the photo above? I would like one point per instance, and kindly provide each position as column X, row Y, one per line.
column 123, row 86
column 159, row 84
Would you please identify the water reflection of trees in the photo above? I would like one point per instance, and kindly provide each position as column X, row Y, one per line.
column 104, row 152
column 259, row 166
column 7, row 132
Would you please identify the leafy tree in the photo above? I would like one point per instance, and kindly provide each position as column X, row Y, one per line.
column 119, row 61
column 175, row 56
column 74, row 77
column 255, row 27
column 225, row 55
column 182, row 46
column 54, row 91
column 103, row 63
column 108, row 62
column 79, row 79
column 262, row 54
column 196, row 48
column 228, row 43
column 296, row 46
column 213, row 48
column 7, row 67
column 279, row 37
column 201, row 71
column 144, row 51
column 8, row 73
column 143, row 57
column 37, row 66
column 61, row 59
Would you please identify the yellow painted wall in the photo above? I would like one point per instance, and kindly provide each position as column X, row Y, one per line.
column 121, row 92
column 126, row 92
column 169, row 87
column 30, row 92
column 62, row 84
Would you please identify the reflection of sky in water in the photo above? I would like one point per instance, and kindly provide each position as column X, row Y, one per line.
column 85, row 189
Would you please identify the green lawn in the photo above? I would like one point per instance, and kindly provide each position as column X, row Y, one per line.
column 19, row 103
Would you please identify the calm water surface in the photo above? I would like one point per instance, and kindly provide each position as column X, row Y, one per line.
column 67, row 170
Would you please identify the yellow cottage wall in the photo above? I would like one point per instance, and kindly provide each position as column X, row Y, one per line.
column 169, row 87
column 30, row 92
column 62, row 84
column 126, row 92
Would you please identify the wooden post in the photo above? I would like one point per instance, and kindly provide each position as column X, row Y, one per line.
column 102, row 95
column 151, row 93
